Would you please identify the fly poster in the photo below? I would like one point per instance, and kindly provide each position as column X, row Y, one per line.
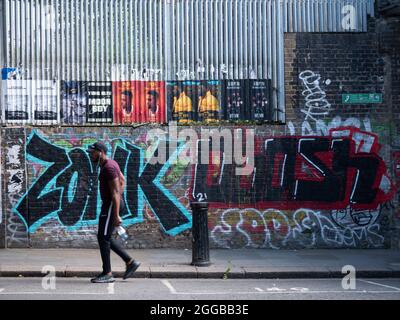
column 46, row 102
column 16, row 101
column 258, row 102
column 125, row 102
column 99, row 105
column 183, row 100
column 209, row 101
column 151, row 96
column 235, row 99
column 73, row 102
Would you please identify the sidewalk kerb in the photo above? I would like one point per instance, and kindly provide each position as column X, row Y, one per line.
column 160, row 272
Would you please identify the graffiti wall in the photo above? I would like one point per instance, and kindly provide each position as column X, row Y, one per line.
column 61, row 202
column 303, row 192
column 14, row 185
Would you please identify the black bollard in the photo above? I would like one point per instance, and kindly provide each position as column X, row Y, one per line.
column 200, row 244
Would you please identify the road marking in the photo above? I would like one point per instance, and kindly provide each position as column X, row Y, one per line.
column 169, row 286
column 200, row 293
column 275, row 289
column 51, row 293
column 1, row 290
column 379, row 284
column 282, row 292
column 110, row 288
column 300, row 289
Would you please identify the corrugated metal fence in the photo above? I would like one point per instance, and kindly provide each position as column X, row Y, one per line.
column 165, row 39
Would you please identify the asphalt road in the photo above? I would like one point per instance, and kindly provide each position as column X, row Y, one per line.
column 197, row 289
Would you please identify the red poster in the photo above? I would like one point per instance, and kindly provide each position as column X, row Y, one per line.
column 126, row 102
column 139, row 102
column 152, row 101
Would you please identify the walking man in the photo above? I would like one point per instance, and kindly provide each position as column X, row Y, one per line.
column 112, row 183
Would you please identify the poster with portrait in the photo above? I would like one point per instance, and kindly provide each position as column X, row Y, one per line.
column 209, row 101
column 99, row 106
column 234, row 99
column 73, row 102
column 152, row 101
column 172, row 89
column 46, row 102
column 183, row 98
column 16, row 101
column 259, row 100
column 125, row 102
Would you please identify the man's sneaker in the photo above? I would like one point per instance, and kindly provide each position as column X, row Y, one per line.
column 101, row 274
column 103, row 278
column 130, row 269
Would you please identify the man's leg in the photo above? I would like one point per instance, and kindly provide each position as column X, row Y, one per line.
column 105, row 254
column 104, row 243
column 104, row 237
column 131, row 265
column 115, row 246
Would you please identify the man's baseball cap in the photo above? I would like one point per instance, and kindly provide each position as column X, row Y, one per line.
column 97, row 146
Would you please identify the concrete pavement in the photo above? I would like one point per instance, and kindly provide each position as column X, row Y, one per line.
column 228, row 264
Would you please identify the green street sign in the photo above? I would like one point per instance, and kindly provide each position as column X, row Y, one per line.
column 361, row 98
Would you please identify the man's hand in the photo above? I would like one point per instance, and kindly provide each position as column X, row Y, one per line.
column 118, row 221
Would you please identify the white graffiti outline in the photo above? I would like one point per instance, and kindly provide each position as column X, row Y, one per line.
column 316, row 102
column 305, row 229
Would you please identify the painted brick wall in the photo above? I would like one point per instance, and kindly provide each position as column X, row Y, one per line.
column 268, row 208
column 388, row 30
column 325, row 179
column 2, row 224
column 14, row 184
column 348, row 63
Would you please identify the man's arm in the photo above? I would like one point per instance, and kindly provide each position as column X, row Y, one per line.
column 116, row 198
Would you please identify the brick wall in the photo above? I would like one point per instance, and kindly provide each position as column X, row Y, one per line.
column 279, row 205
column 341, row 63
column 388, row 29
column 2, row 225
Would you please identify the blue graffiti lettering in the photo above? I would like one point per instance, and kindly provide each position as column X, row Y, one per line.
column 68, row 189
